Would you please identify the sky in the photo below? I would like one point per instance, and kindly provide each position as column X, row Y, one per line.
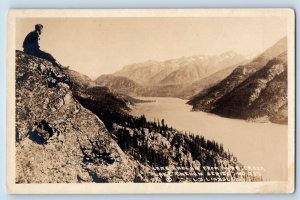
column 95, row 46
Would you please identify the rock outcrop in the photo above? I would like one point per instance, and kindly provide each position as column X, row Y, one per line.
column 58, row 140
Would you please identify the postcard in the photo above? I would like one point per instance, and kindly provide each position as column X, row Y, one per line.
column 148, row 101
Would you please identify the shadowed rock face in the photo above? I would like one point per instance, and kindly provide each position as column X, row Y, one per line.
column 255, row 91
column 261, row 96
column 58, row 140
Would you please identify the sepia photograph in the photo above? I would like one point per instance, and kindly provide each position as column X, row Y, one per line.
column 151, row 101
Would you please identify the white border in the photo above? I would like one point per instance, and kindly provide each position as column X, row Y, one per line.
column 148, row 188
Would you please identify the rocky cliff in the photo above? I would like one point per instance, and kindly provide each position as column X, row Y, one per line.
column 58, row 140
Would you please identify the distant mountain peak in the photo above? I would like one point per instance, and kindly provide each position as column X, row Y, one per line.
column 229, row 54
column 180, row 70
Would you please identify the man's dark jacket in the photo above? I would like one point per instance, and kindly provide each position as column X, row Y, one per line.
column 31, row 42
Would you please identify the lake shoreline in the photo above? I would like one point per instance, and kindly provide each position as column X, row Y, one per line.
column 254, row 143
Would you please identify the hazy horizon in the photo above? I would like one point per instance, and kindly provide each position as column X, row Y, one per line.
column 95, row 46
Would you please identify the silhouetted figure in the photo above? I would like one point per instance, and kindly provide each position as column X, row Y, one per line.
column 31, row 46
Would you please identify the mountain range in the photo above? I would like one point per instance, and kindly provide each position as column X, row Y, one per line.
column 178, row 71
column 171, row 78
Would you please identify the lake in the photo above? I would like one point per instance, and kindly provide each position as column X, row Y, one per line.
column 254, row 144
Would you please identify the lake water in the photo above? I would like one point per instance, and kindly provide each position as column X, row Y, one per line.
column 254, row 144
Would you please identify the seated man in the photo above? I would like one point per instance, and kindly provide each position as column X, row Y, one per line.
column 31, row 46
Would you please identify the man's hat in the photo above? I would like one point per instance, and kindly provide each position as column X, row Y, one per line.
column 38, row 26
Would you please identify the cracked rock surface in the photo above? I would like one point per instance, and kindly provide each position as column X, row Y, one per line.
column 58, row 140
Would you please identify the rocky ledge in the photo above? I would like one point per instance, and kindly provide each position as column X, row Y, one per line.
column 58, row 140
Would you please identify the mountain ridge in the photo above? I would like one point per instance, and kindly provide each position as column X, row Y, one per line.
column 213, row 99
column 181, row 70
column 160, row 86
